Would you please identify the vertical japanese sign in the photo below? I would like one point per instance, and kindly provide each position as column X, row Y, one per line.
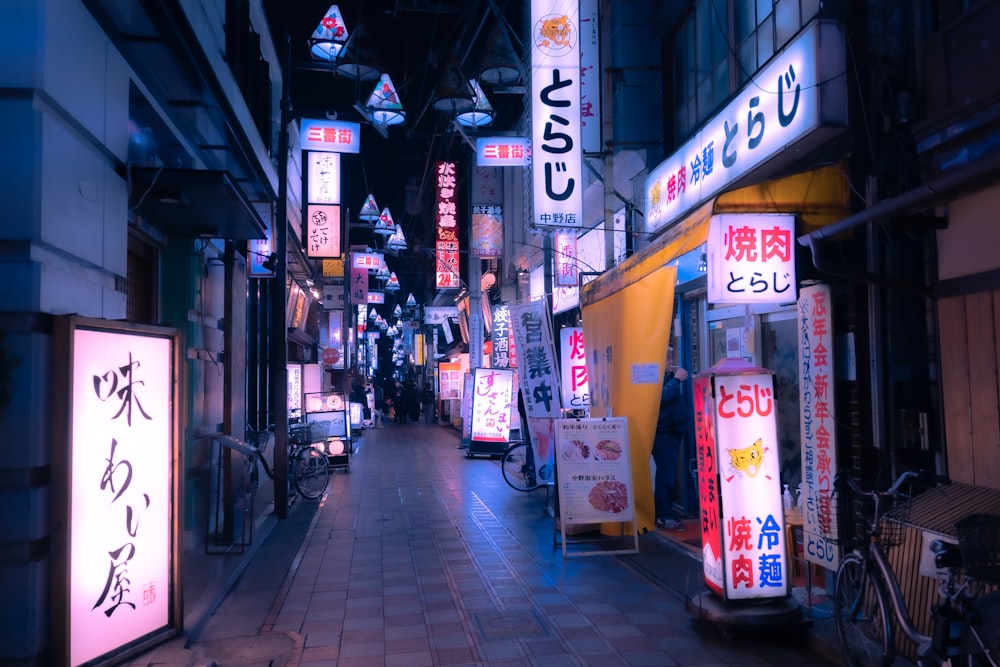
column 501, row 337
column 358, row 289
column 120, row 455
column 708, row 483
column 573, row 362
column 538, row 373
column 487, row 231
column 322, row 189
column 492, row 399
column 753, row 535
column 446, row 219
column 565, row 259
column 819, row 439
column 751, row 259
column 260, row 251
column 555, row 113
column 590, row 76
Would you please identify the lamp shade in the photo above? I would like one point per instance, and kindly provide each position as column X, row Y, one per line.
column 384, row 103
column 501, row 65
column 385, row 225
column 397, row 241
column 369, row 210
column 329, row 37
column 392, row 284
column 410, row 301
column 382, row 273
column 481, row 113
column 397, row 311
column 453, row 93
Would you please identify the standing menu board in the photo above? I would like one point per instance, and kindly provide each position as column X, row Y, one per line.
column 594, row 475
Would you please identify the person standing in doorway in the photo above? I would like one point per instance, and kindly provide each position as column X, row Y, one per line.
column 671, row 426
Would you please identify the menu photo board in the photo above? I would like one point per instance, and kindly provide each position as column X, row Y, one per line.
column 115, row 532
column 594, row 475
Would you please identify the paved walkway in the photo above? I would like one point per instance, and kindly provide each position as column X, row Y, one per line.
column 422, row 556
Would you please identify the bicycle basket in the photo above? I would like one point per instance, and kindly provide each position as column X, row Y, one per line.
column 895, row 515
column 979, row 541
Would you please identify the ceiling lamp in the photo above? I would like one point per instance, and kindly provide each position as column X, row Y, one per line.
column 398, row 324
column 369, row 210
column 501, row 65
column 372, row 314
column 358, row 60
column 392, row 285
column 383, row 272
column 329, row 37
column 397, row 241
column 410, row 301
column 384, row 104
column 397, row 311
column 385, row 225
column 481, row 113
column 453, row 93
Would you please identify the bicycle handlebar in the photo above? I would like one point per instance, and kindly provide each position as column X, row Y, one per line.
column 925, row 476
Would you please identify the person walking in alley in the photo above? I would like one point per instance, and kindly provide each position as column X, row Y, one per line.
column 671, row 425
column 427, row 399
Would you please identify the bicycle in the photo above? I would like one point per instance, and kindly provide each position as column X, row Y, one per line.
column 866, row 590
column 517, row 464
column 308, row 467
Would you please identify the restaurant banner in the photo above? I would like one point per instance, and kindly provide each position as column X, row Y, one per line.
column 816, row 418
column 492, row 399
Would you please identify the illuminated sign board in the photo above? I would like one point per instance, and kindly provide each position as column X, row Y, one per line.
column 573, row 364
column 503, row 151
column 117, row 436
column 492, row 397
column 487, row 231
column 565, row 258
column 557, row 166
column 743, row 537
column 446, row 212
column 323, row 171
column 367, row 260
column 798, row 93
column 751, row 259
column 331, row 136
column 323, row 231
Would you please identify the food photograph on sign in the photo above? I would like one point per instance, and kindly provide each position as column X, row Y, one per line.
column 594, row 474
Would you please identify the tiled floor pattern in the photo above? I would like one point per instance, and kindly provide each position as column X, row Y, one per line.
column 421, row 556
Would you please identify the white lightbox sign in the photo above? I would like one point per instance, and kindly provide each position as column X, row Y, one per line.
column 323, row 231
column 324, row 178
column 329, row 135
column 557, row 167
column 120, row 412
column 780, row 107
column 751, row 259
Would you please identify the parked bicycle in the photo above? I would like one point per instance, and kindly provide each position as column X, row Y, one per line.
column 866, row 591
column 517, row 464
column 308, row 467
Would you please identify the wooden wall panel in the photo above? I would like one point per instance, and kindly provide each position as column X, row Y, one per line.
column 984, row 420
column 955, row 387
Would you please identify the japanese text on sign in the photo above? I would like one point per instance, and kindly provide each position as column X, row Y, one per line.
column 751, row 259
column 819, row 447
column 555, row 110
column 446, row 212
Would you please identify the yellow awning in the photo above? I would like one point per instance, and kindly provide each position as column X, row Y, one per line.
column 819, row 197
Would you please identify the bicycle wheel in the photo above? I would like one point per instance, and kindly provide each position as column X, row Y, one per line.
column 860, row 610
column 312, row 472
column 518, row 467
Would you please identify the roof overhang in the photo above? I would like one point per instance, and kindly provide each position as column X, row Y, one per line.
column 194, row 203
